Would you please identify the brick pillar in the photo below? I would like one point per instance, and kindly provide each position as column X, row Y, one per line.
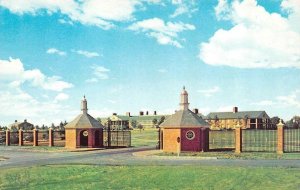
column 238, row 139
column 35, row 137
column 51, row 139
column 280, row 138
column 20, row 137
column 7, row 141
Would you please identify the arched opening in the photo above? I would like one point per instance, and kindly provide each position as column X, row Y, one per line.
column 84, row 138
column 97, row 138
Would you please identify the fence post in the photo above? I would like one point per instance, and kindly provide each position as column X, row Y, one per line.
column 280, row 138
column 238, row 139
column 51, row 137
column 20, row 137
column 7, row 141
column 35, row 137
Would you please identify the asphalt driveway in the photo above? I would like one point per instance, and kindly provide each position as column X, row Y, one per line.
column 125, row 156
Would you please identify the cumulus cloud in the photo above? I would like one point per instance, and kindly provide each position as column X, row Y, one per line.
column 91, row 12
column 61, row 97
column 99, row 73
column 56, row 51
column 166, row 33
column 13, row 72
column 184, row 7
column 290, row 100
column 210, row 92
column 258, row 39
column 87, row 54
column 17, row 101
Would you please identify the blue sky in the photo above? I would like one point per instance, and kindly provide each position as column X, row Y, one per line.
column 134, row 55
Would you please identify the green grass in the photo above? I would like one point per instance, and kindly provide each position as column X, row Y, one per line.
column 148, row 177
column 147, row 137
column 244, row 155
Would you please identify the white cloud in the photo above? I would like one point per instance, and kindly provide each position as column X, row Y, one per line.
column 210, row 92
column 18, row 101
column 272, row 41
column 13, row 73
column 184, row 7
column 164, row 33
column 91, row 80
column 99, row 73
column 263, row 103
column 87, row 54
column 56, row 51
column 225, row 109
column 90, row 12
column 61, row 97
column 290, row 100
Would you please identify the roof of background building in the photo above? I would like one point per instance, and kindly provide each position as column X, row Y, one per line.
column 184, row 118
column 84, row 121
column 237, row 115
column 20, row 123
column 137, row 118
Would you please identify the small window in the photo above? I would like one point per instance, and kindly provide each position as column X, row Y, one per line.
column 190, row 135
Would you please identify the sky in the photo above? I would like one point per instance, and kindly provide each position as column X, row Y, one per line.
column 136, row 55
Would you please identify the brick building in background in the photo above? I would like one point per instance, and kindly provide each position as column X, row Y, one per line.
column 247, row 119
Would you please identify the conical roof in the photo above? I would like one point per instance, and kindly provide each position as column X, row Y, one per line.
column 184, row 118
column 84, row 120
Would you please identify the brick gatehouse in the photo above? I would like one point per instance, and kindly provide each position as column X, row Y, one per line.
column 184, row 130
column 84, row 130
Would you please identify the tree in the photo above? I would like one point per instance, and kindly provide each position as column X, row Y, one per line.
column 99, row 119
column 53, row 126
column 274, row 121
column 161, row 120
column 154, row 121
column 140, row 127
column 133, row 123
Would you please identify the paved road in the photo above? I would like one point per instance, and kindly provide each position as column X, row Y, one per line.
column 122, row 157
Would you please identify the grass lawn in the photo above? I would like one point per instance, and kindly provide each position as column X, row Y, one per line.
column 148, row 177
column 232, row 155
column 144, row 137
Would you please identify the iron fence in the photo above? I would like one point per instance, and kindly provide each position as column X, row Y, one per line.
column 222, row 140
column 28, row 138
column 43, row 138
column 292, row 140
column 14, row 138
column 256, row 140
column 59, row 138
column 2, row 138
column 117, row 138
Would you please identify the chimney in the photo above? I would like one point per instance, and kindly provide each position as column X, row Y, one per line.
column 114, row 113
column 147, row 113
column 235, row 109
column 128, row 114
column 196, row 111
column 141, row 113
column 154, row 113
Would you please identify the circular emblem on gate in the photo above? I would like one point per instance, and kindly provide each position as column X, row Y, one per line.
column 85, row 133
column 190, row 135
